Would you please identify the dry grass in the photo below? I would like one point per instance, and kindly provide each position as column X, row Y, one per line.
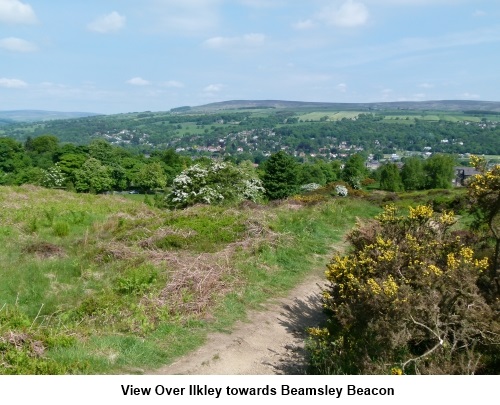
column 114, row 250
column 44, row 250
column 194, row 281
column 22, row 340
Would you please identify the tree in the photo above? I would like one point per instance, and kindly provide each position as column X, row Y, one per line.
column 93, row 177
column 101, row 150
column 311, row 173
column 42, row 144
column 412, row 174
column 12, row 156
column 173, row 163
column 53, row 177
column 119, row 175
column 29, row 175
column 215, row 183
column 151, row 176
column 280, row 178
column 390, row 179
column 439, row 171
column 354, row 170
column 71, row 162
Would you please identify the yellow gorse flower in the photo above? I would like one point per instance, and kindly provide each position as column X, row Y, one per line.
column 318, row 332
column 389, row 214
column 421, row 212
column 435, row 270
column 374, row 287
column 447, row 218
column 390, row 287
column 396, row 371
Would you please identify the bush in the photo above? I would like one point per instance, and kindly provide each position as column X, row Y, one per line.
column 310, row 187
column 406, row 301
column 216, row 183
column 341, row 191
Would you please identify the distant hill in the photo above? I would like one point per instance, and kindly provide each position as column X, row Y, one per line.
column 440, row 105
column 10, row 117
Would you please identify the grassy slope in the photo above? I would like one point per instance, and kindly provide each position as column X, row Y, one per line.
column 100, row 284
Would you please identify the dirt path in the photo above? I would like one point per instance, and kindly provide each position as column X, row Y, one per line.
column 269, row 342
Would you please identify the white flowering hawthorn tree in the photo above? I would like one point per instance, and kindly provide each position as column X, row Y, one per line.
column 215, row 183
column 310, row 187
column 341, row 191
column 53, row 177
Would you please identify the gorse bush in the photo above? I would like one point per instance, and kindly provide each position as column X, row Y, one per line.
column 484, row 196
column 406, row 300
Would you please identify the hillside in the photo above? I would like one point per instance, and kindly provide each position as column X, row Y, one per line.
column 439, row 105
column 105, row 284
column 253, row 129
column 18, row 116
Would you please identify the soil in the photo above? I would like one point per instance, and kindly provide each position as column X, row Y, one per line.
column 269, row 342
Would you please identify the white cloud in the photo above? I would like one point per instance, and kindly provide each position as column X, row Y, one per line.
column 470, row 96
column 51, row 85
column 138, row 81
column 417, row 2
column 262, row 3
column 245, row 41
column 386, row 94
column 310, row 78
column 17, row 45
column 417, row 46
column 174, row 84
column 342, row 87
column 12, row 83
column 213, row 88
column 426, row 85
column 16, row 12
column 188, row 17
column 350, row 14
column 304, row 24
column 479, row 13
column 419, row 96
column 109, row 23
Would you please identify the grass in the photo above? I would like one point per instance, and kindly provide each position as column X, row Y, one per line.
column 106, row 284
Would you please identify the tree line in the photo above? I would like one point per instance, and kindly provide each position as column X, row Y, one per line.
column 101, row 166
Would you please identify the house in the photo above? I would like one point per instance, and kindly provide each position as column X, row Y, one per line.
column 462, row 174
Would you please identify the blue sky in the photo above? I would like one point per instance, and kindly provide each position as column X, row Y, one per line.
column 112, row 56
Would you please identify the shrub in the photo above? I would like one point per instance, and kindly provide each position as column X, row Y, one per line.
column 310, row 187
column 53, row 177
column 309, row 199
column 215, row 183
column 341, row 191
column 406, row 300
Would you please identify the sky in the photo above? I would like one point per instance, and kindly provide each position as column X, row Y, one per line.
column 118, row 56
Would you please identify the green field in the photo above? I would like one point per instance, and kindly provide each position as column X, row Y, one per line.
column 329, row 116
